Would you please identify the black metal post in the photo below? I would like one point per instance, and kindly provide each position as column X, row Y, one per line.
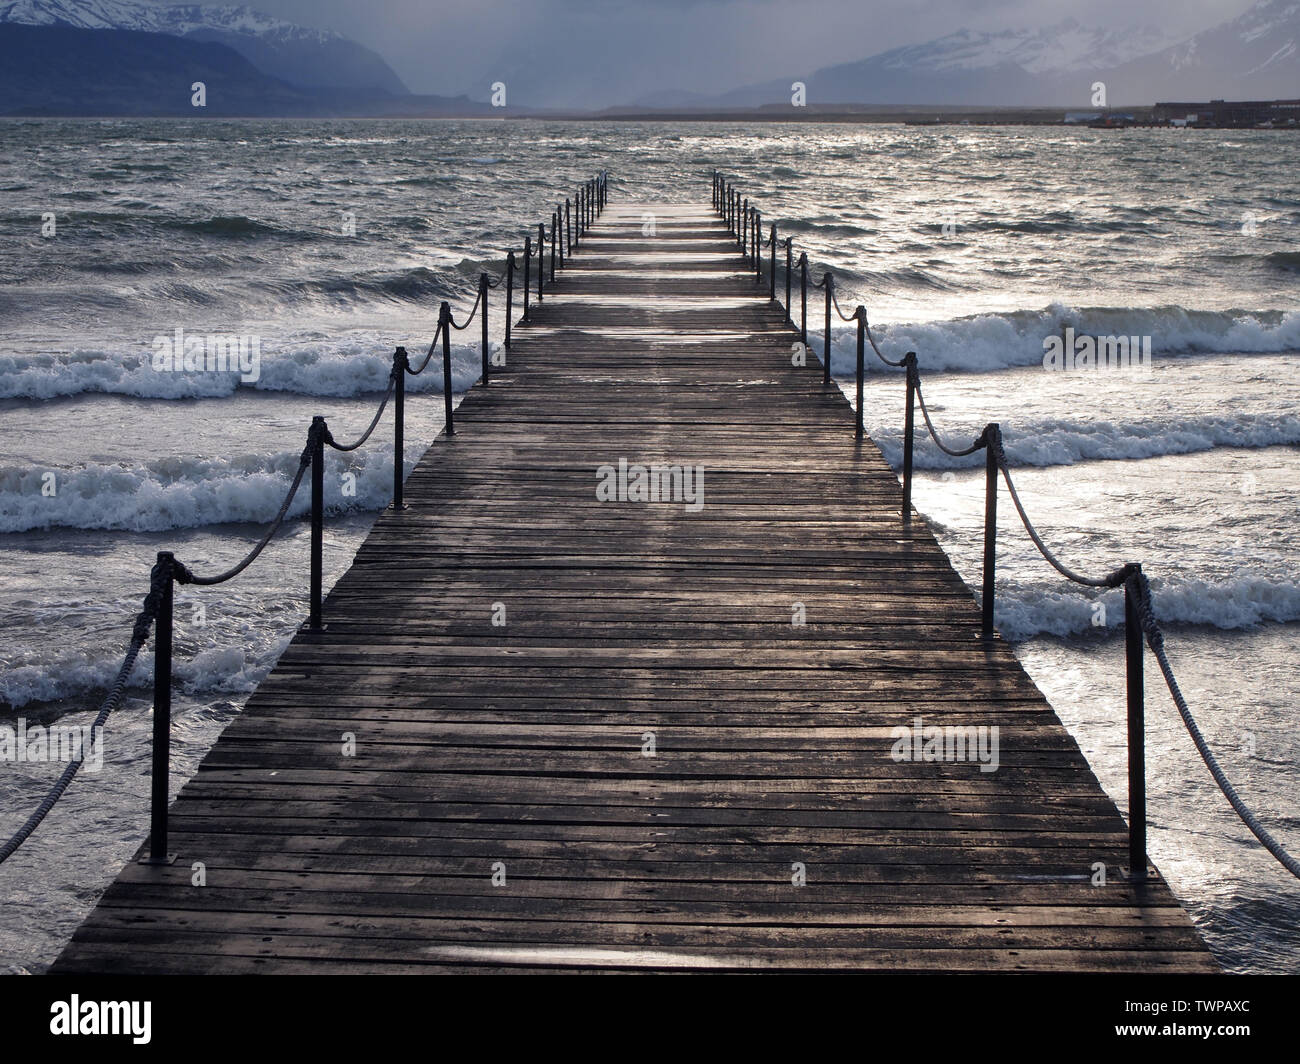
column 568, row 226
column 1137, row 787
column 316, row 441
column 992, row 435
column 444, row 314
column 528, row 259
column 744, row 228
column 860, row 429
column 554, row 230
column 162, row 713
column 541, row 257
column 789, row 259
column 510, row 293
column 803, row 298
column 758, row 247
column 771, row 295
column 483, row 287
column 400, row 365
column 909, row 430
column 829, row 281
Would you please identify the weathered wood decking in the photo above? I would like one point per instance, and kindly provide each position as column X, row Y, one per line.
column 482, row 748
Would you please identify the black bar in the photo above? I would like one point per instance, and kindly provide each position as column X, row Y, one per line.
column 909, row 431
column 744, row 228
column 829, row 281
column 1137, row 786
column 555, row 227
column 316, row 441
column 771, row 295
column 510, row 293
column 445, row 314
column 541, row 257
column 483, row 294
column 400, row 365
column 991, row 435
column 568, row 226
column 162, row 713
column 789, row 259
column 528, row 260
column 554, row 230
column 803, row 298
column 860, row 429
column 758, row 247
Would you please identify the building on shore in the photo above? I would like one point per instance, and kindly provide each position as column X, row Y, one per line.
column 1231, row 114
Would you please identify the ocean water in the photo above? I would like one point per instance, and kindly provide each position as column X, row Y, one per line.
column 332, row 242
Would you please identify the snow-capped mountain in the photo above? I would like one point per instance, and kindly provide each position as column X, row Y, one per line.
column 1254, row 56
column 1058, row 49
column 296, row 54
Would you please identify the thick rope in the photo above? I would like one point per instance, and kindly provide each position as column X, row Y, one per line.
column 139, row 634
column 879, row 354
column 929, row 425
column 329, row 439
column 835, row 299
column 184, row 576
column 1114, row 579
column 429, row 354
column 473, row 311
column 1156, row 641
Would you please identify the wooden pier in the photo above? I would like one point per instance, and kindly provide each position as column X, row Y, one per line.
column 591, row 735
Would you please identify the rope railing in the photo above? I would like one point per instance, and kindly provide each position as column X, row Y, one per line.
column 1139, row 608
column 167, row 571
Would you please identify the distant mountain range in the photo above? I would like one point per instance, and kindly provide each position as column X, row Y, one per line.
column 1253, row 56
column 126, row 57
column 300, row 56
column 119, row 57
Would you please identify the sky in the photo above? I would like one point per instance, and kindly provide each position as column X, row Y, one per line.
column 601, row 52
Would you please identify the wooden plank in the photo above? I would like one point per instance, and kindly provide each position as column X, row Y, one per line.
column 522, row 743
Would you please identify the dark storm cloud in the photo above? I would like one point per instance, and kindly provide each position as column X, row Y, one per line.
column 595, row 53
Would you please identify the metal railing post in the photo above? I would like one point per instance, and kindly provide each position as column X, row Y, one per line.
column 162, row 713
column 758, row 247
column 316, row 442
column 861, row 314
column 483, row 288
column 829, row 281
column 528, row 259
column 1137, row 788
column 992, row 436
column 568, row 226
column 744, row 229
column 554, row 229
column 510, row 294
column 803, row 298
column 789, row 264
column 909, row 432
column 541, row 257
column 400, row 365
column 771, row 294
column 444, row 313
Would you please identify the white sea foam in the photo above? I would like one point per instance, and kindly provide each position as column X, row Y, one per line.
column 1241, row 601
column 989, row 342
column 340, row 370
column 188, row 492
column 1064, row 441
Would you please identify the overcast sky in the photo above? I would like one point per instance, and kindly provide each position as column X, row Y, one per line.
column 626, row 48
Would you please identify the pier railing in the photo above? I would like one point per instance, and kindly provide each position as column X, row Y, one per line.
column 569, row 223
column 744, row 221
